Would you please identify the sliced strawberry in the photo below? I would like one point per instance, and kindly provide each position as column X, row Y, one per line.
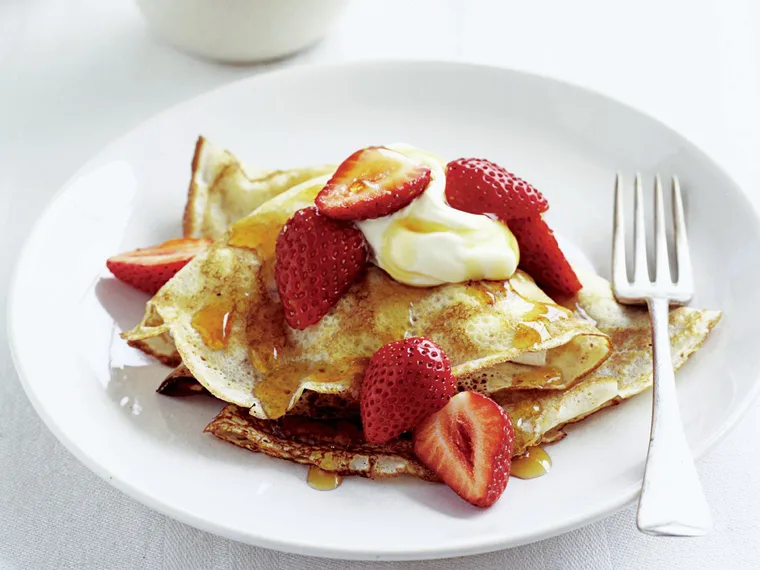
column 468, row 444
column 541, row 256
column 150, row 268
column 371, row 183
column 479, row 186
column 405, row 382
column 318, row 259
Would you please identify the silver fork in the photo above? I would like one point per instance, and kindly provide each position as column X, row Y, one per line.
column 672, row 502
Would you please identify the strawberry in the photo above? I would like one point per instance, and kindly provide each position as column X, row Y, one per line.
column 468, row 444
column 371, row 183
column 479, row 186
column 317, row 261
column 150, row 268
column 405, row 382
column 541, row 256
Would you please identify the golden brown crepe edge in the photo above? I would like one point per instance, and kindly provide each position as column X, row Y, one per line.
column 236, row 426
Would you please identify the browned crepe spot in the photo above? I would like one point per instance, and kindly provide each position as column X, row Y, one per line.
column 336, row 446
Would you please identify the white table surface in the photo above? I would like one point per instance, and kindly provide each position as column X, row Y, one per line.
column 75, row 74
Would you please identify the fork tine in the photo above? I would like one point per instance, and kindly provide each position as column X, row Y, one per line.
column 640, row 267
column 662, row 265
column 619, row 271
column 683, row 258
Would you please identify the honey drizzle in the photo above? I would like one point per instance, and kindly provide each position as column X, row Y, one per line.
column 259, row 232
column 526, row 336
column 540, row 376
column 277, row 361
column 282, row 374
column 535, row 462
column 521, row 285
column 322, row 480
column 532, row 330
column 265, row 329
column 214, row 322
column 277, row 388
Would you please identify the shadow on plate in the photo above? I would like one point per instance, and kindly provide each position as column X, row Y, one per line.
column 123, row 303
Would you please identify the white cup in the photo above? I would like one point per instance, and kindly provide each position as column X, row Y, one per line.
column 241, row 31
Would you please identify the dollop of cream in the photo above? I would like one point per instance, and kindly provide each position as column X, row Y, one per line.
column 428, row 242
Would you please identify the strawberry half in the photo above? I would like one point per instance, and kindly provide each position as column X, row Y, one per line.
column 150, row 268
column 468, row 444
column 371, row 183
column 479, row 186
column 541, row 256
column 318, row 259
column 405, row 382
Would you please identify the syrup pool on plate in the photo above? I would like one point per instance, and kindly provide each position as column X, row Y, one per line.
column 535, row 462
column 322, row 480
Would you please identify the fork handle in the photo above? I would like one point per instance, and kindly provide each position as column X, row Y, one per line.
column 672, row 502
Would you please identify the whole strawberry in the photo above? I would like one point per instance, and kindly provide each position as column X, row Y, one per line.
column 541, row 256
column 479, row 186
column 405, row 382
column 317, row 261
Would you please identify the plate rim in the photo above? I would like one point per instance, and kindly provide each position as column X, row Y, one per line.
column 622, row 500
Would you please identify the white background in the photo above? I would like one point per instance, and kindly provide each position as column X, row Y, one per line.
column 75, row 74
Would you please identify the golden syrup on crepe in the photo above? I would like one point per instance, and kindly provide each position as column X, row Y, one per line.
column 383, row 311
column 259, row 232
column 526, row 414
column 276, row 389
column 544, row 308
column 322, row 480
column 537, row 311
column 389, row 311
column 526, row 336
column 285, row 368
column 531, row 331
column 214, row 322
column 535, row 462
column 544, row 312
column 266, row 331
column 540, row 376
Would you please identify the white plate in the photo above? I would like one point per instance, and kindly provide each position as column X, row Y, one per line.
column 97, row 395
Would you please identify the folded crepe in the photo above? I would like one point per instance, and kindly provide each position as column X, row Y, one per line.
column 332, row 445
column 547, row 365
column 225, row 318
column 538, row 416
column 223, row 190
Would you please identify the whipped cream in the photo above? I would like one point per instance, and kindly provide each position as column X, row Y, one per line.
column 428, row 242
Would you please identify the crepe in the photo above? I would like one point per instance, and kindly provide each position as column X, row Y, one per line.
column 160, row 347
column 222, row 190
column 181, row 383
column 258, row 362
column 498, row 336
column 538, row 416
column 335, row 446
column 626, row 373
column 546, row 366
